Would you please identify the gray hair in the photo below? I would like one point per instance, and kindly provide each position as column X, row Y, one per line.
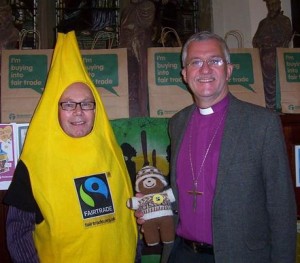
column 202, row 36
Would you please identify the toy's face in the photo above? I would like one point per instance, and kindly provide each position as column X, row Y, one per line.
column 151, row 185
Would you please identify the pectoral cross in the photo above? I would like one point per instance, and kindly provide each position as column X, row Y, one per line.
column 194, row 192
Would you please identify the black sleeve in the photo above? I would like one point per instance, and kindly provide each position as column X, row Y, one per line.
column 19, row 193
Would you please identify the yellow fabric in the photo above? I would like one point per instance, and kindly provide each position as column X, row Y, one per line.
column 55, row 160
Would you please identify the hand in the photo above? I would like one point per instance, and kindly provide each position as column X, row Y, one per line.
column 139, row 217
column 139, row 214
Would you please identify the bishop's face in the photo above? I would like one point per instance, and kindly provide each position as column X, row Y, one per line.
column 209, row 81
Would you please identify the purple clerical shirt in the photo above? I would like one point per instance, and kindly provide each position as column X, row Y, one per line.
column 203, row 131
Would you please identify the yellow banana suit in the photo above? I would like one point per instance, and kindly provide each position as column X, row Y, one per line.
column 80, row 184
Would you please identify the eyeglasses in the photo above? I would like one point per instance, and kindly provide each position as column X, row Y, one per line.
column 84, row 105
column 211, row 62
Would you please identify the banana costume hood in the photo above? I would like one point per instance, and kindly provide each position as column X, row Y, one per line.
column 80, row 184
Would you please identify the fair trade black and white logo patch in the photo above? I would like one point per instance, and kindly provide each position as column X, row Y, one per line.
column 94, row 196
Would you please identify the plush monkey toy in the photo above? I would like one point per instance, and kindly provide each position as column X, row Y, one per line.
column 155, row 205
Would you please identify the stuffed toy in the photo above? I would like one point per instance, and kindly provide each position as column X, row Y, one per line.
column 155, row 203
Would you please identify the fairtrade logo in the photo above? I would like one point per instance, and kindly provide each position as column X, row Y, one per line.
column 160, row 112
column 94, row 195
column 92, row 185
column 11, row 116
column 291, row 107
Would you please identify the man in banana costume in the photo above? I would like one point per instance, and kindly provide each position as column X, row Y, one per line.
column 67, row 200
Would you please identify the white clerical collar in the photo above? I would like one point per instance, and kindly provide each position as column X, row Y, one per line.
column 206, row 111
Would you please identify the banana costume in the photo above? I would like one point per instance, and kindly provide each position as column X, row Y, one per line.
column 80, row 184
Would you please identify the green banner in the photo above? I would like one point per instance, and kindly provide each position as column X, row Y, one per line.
column 30, row 71
column 242, row 70
column 168, row 70
column 103, row 69
column 27, row 71
column 292, row 66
